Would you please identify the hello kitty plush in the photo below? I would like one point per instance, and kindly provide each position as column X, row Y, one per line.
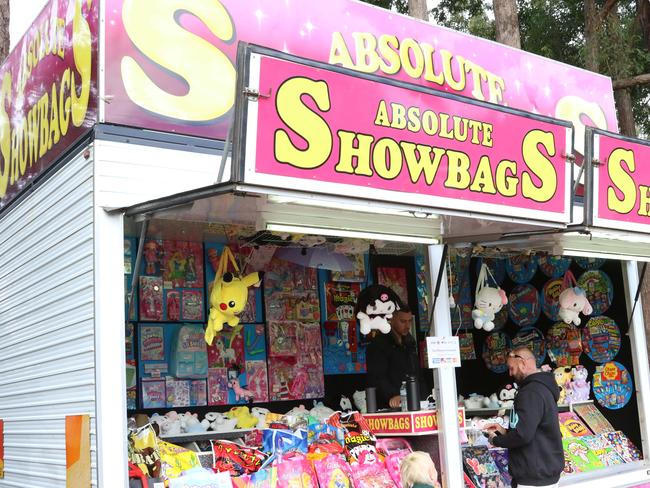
column 488, row 302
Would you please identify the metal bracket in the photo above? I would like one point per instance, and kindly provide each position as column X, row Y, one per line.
column 254, row 95
column 596, row 162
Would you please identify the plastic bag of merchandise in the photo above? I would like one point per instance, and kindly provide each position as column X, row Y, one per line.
column 280, row 441
column 235, row 459
column 176, row 459
column 144, row 451
column 296, row 471
column 371, row 476
column 264, row 478
column 324, row 438
column 397, row 449
column 359, row 441
column 333, row 471
column 201, row 478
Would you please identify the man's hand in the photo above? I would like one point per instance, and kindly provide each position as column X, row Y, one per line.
column 493, row 430
column 395, row 402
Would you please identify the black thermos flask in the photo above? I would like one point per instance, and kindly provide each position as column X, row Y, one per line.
column 412, row 393
column 371, row 399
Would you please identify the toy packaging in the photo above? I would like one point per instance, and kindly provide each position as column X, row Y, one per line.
column 601, row 447
column 333, row 472
column 581, row 457
column 153, row 394
column 612, row 385
column 235, row 459
column 564, row 344
column 572, row 426
column 601, row 339
column 598, row 289
column 189, row 357
column 371, row 476
column 295, row 470
column 623, row 446
column 480, row 467
column 500, row 457
column 359, row 441
column 264, row 478
column 595, row 420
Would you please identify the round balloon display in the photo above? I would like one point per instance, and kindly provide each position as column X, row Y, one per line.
column 612, row 385
column 564, row 344
column 533, row 339
column 522, row 268
column 551, row 298
column 497, row 269
column 554, row 266
column 495, row 350
column 524, row 305
column 589, row 263
column 599, row 290
column 601, row 339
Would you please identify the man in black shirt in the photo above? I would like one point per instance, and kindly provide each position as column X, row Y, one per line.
column 391, row 357
column 534, row 441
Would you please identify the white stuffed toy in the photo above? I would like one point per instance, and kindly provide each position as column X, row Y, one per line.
column 573, row 301
column 488, row 302
column 190, row 423
column 219, row 422
column 359, row 398
column 474, row 401
column 260, row 413
column 345, row 404
column 492, row 401
column 579, row 385
column 321, row 412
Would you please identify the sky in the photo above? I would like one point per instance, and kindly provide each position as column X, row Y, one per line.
column 23, row 12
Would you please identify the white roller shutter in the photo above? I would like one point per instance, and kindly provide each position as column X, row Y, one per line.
column 47, row 352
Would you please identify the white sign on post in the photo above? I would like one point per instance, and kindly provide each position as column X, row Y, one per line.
column 443, row 352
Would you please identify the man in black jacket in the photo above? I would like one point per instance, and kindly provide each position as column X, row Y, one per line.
column 390, row 357
column 534, row 441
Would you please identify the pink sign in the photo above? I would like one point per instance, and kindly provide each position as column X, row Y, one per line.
column 622, row 183
column 327, row 131
column 48, row 92
column 172, row 67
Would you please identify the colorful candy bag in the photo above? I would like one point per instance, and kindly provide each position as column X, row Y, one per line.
column 295, row 471
column 176, row 459
column 236, row 459
column 280, row 441
column 264, row 478
column 144, row 451
column 333, row 472
column 324, row 438
column 371, row 476
column 359, row 441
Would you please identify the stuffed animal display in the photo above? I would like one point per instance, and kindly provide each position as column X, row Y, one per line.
column 488, row 301
column 507, row 395
column 562, row 378
column 375, row 306
column 228, row 296
column 359, row 398
column 579, row 386
column 573, row 301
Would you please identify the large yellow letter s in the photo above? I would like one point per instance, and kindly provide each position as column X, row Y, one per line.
column 622, row 181
column 304, row 122
column 208, row 73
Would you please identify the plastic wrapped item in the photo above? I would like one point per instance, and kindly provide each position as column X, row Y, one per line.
column 201, row 478
column 333, row 471
column 264, row 478
column 371, row 476
column 280, row 441
column 359, row 441
column 236, row 459
column 175, row 460
column 296, row 471
column 144, row 451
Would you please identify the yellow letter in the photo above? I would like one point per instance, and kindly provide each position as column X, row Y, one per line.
column 387, row 158
column 43, row 110
column 423, row 163
column 55, row 133
column 5, row 133
column 483, row 182
column 413, row 70
column 367, row 57
column 390, row 63
column 540, row 166
column 576, row 110
column 622, row 181
column 307, row 124
column 458, row 85
column 347, row 151
column 644, row 201
column 339, row 51
column 398, row 115
column 381, row 118
column 507, row 183
column 64, row 103
column 209, row 74
column 82, row 52
column 458, row 173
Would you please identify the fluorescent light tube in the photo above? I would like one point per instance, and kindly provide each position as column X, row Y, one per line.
column 299, row 229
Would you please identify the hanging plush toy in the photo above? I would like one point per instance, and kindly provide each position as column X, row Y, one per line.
column 375, row 306
column 488, row 302
column 229, row 295
column 573, row 301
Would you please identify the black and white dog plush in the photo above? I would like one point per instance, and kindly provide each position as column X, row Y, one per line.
column 375, row 306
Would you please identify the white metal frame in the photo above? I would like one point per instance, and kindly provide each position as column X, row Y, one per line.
column 444, row 379
column 110, row 355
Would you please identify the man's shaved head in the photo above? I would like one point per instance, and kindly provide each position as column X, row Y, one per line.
column 521, row 363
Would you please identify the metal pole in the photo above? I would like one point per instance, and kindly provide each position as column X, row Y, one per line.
column 136, row 270
column 224, row 156
column 451, row 463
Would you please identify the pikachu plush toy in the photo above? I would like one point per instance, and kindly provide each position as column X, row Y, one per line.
column 229, row 295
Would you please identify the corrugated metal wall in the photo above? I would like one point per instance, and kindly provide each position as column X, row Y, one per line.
column 46, row 325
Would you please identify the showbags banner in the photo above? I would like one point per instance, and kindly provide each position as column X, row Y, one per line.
column 171, row 66
column 48, row 92
column 621, row 182
column 404, row 144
